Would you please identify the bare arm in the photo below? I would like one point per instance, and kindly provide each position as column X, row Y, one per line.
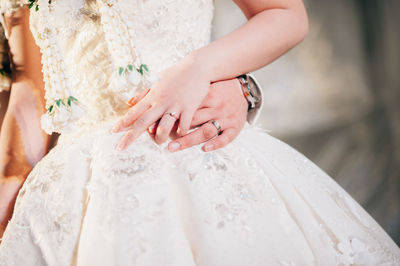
column 273, row 27
column 22, row 142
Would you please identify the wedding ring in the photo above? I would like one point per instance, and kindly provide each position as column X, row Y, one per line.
column 173, row 114
column 217, row 126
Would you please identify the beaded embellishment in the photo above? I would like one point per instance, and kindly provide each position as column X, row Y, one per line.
column 130, row 75
column 63, row 109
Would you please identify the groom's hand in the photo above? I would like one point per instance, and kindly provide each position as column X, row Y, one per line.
column 225, row 104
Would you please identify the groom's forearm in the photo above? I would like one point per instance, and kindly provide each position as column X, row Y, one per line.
column 273, row 28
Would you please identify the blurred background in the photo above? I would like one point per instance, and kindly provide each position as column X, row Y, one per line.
column 335, row 97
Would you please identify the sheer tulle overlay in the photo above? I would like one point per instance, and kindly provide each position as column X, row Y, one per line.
column 255, row 202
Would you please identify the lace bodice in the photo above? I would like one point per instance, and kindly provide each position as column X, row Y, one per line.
column 165, row 30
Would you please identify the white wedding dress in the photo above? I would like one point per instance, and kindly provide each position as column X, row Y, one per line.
column 257, row 202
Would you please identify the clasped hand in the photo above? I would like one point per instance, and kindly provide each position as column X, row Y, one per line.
column 182, row 99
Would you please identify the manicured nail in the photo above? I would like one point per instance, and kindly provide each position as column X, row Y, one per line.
column 180, row 132
column 209, row 147
column 132, row 101
column 174, row 146
column 114, row 129
column 120, row 146
column 152, row 129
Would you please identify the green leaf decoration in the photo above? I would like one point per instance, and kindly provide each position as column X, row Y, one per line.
column 130, row 67
column 31, row 4
column 73, row 98
column 121, row 70
column 59, row 102
column 37, row 8
column 142, row 68
column 50, row 108
column 70, row 100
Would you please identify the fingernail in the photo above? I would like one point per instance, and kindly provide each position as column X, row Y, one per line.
column 152, row 129
column 208, row 147
column 180, row 132
column 174, row 146
column 132, row 101
column 120, row 146
column 114, row 129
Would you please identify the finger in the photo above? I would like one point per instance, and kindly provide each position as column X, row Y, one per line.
column 130, row 117
column 164, row 127
column 222, row 140
column 153, row 128
column 184, row 122
column 202, row 116
column 139, row 126
column 200, row 135
column 137, row 98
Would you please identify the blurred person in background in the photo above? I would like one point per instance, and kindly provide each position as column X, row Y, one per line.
column 22, row 141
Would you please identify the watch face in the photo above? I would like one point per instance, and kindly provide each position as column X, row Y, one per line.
column 254, row 89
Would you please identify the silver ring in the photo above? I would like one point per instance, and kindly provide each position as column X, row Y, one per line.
column 173, row 114
column 217, row 126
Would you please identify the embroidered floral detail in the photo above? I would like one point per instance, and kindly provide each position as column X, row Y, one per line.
column 61, row 115
column 120, row 38
column 63, row 110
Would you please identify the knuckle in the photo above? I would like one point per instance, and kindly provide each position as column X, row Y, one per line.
column 224, row 140
column 161, row 136
column 129, row 137
column 141, row 122
column 125, row 121
column 186, row 142
column 196, row 117
column 208, row 132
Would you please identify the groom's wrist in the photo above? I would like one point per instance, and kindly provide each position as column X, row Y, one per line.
column 251, row 90
column 253, row 94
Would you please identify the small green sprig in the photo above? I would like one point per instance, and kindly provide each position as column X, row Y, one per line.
column 60, row 102
column 33, row 3
column 124, row 70
column 142, row 69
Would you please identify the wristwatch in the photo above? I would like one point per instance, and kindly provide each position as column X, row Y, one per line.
column 251, row 90
column 254, row 96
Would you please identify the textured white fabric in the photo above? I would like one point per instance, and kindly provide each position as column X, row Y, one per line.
column 256, row 202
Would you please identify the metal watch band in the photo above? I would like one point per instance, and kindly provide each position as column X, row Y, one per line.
column 248, row 87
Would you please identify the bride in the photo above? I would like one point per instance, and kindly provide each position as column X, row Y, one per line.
column 108, row 195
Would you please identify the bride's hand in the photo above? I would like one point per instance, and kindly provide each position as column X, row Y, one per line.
column 176, row 96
